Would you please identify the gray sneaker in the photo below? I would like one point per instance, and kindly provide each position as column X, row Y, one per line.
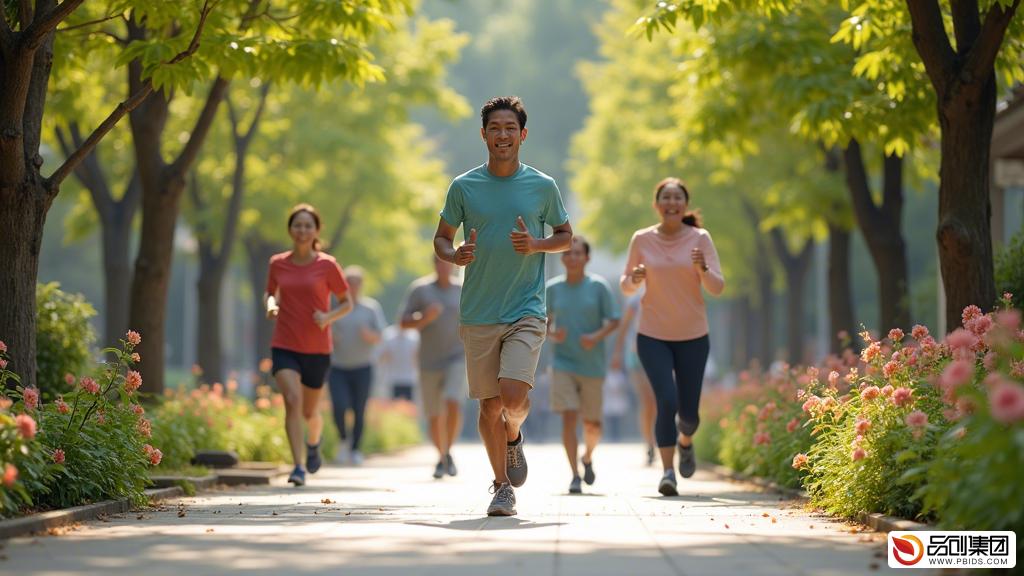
column 450, row 466
column 667, row 486
column 504, row 501
column 575, row 487
column 515, row 462
column 687, row 460
column 588, row 473
column 439, row 470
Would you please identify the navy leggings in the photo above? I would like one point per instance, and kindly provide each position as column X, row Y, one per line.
column 350, row 388
column 676, row 372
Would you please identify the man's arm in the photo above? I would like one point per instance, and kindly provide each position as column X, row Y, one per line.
column 559, row 241
column 444, row 247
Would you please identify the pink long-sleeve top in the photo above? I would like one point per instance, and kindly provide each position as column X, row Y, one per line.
column 672, row 307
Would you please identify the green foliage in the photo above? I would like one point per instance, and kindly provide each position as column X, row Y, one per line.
column 900, row 432
column 87, row 445
column 64, row 337
column 1009, row 267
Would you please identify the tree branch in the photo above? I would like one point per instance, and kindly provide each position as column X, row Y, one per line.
column 6, row 34
column 90, row 23
column 932, row 43
column 864, row 207
column 43, row 24
column 89, row 172
column 25, row 13
column 202, row 127
column 966, row 24
column 264, row 91
column 54, row 181
column 981, row 59
column 343, row 223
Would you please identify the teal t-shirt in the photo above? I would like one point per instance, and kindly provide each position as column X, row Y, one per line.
column 502, row 286
column 581, row 308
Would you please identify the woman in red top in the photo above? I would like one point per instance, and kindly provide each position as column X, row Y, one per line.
column 299, row 288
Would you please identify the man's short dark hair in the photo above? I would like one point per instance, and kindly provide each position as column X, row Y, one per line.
column 512, row 103
column 582, row 240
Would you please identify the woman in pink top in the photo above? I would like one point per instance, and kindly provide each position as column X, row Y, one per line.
column 674, row 259
column 299, row 288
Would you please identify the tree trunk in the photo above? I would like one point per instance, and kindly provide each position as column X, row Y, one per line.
column 209, row 351
column 162, row 187
column 882, row 227
column 259, row 252
column 964, row 234
column 766, row 307
column 840, row 297
column 795, row 268
column 22, row 216
column 117, row 271
column 964, row 79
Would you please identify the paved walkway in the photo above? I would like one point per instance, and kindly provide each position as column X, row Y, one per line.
column 391, row 517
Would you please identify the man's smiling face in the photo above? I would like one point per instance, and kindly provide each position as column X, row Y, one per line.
column 503, row 135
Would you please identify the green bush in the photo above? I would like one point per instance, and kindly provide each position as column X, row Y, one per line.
column 64, row 337
column 1009, row 267
column 89, row 444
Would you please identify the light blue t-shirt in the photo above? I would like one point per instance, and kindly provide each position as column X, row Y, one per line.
column 581, row 308
column 502, row 286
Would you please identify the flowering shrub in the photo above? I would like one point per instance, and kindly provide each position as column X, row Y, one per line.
column 913, row 427
column 1009, row 269
column 64, row 337
column 390, row 425
column 87, row 445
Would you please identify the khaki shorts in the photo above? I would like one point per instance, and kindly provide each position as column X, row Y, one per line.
column 575, row 392
column 440, row 385
column 496, row 351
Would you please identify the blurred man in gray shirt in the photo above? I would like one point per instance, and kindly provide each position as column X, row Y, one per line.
column 355, row 337
column 432, row 307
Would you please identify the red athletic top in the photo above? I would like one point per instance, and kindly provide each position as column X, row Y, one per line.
column 300, row 291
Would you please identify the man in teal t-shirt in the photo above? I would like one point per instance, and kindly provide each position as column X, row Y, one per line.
column 504, row 205
column 581, row 312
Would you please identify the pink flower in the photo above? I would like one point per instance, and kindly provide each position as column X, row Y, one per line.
column 812, row 373
column 811, row 403
column 232, row 385
column 980, row 325
column 792, row 425
column 833, row 378
column 26, row 426
column 902, row 396
column 887, row 390
column 145, row 428
column 263, row 404
column 766, row 411
column 890, row 368
column 132, row 381
column 138, row 410
column 951, row 414
column 154, row 454
column 970, row 313
column 957, row 373
column 990, row 361
column 1006, row 401
column 858, row 454
column 10, row 474
column 3, row 347
column 762, row 437
column 870, row 393
column 3, row 364
column 871, row 352
column 89, row 385
column 1017, row 368
column 799, row 461
column 916, row 419
column 31, row 398
column 101, row 416
column 5, row 402
column 964, row 405
column 1009, row 319
column 58, row 456
column 134, row 338
column 62, row 406
column 69, row 379
column 862, row 426
column 961, row 339
column 919, row 332
column 896, row 335
column 136, row 358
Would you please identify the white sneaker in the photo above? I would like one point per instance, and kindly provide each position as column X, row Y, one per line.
column 343, row 456
column 357, row 458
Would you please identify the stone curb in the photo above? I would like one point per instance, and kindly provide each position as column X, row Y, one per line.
column 55, row 518
column 876, row 521
column 199, row 482
column 244, row 476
